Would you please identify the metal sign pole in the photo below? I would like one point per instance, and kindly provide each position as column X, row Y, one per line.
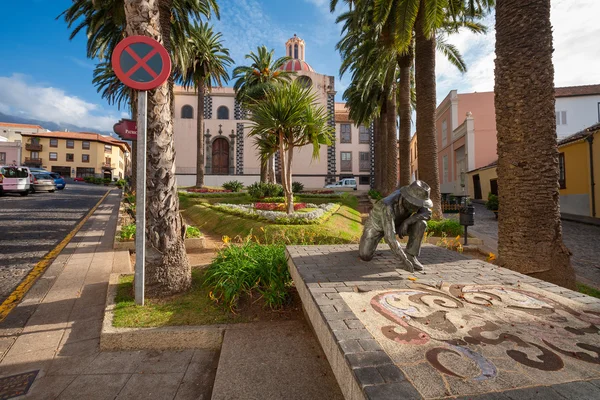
column 140, row 201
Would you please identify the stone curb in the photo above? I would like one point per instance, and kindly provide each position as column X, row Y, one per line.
column 164, row 338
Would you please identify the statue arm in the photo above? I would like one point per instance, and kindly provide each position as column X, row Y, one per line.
column 389, row 235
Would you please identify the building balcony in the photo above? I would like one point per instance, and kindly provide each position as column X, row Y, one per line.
column 33, row 162
column 108, row 166
column 33, row 147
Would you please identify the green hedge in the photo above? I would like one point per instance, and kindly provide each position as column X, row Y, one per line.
column 450, row 227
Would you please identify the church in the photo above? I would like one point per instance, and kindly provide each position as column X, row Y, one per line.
column 230, row 154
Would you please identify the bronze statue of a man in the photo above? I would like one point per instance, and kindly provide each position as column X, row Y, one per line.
column 404, row 213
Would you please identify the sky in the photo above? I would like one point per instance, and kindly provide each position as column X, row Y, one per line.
column 44, row 75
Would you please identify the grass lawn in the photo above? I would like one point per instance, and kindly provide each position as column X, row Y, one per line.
column 191, row 308
column 590, row 291
column 342, row 227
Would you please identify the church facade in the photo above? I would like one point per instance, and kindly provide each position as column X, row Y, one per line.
column 230, row 154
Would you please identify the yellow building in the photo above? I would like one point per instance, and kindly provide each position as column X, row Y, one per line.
column 75, row 154
column 579, row 162
column 579, row 172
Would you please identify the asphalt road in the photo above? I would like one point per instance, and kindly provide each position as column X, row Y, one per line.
column 33, row 225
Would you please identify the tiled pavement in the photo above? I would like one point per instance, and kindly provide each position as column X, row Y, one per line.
column 325, row 275
column 582, row 239
column 60, row 339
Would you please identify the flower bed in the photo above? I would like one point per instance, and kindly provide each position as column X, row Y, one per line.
column 320, row 213
column 277, row 206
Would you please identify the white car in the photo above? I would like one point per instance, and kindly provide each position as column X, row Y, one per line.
column 348, row 183
column 15, row 180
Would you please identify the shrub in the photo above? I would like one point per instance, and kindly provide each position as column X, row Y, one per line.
column 258, row 190
column 242, row 269
column 98, row 181
column 127, row 232
column 192, row 232
column 318, row 192
column 492, row 203
column 444, row 227
column 106, row 181
column 234, row 186
column 130, row 198
column 375, row 195
column 297, row 187
column 121, row 183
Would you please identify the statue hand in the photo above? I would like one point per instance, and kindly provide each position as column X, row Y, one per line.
column 403, row 229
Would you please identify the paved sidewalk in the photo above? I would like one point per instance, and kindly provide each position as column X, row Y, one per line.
column 582, row 239
column 60, row 339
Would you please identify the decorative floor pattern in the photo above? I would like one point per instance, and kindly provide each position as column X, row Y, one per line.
column 469, row 339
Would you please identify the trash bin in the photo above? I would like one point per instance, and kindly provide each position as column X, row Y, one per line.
column 467, row 217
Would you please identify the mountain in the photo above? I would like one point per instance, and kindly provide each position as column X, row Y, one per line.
column 52, row 126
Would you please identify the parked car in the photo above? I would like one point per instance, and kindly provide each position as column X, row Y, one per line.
column 15, row 180
column 78, row 179
column 43, row 181
column 348, row 183
column 58, row 180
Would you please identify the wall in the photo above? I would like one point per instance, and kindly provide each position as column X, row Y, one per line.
column 13, row 132
column 12, row 151
column 582, row 112
column 485, row 175
column 481, row 105
column 444, row 114
column 576, row 197
column 355, row 147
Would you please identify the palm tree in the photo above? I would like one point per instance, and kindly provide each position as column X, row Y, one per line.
column 204, row 62
column 291, row 116
column 529, row 227
column 167, row 267
column 251, row 83
column 104, row 24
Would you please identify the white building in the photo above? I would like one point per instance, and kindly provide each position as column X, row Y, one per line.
column 577, row 107
column 230, row 154
column 12, row 131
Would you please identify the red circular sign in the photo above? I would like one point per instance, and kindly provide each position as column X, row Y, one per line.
column 141, row 63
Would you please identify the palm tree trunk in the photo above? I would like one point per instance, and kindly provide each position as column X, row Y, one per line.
column 391, row 143
column 426, row 103
column 263, row 170
column 383, row 150
column 200, row 137
column 167, row 267
column 404, row 63
column 271, row 172
column 377, row 155
column 288, row 192
column 529, row 227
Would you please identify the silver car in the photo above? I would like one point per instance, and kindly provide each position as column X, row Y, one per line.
column 42, row 181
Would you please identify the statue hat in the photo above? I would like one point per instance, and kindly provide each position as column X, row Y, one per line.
column 417, row 193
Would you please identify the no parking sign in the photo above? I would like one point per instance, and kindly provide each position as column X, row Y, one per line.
column 141, row 63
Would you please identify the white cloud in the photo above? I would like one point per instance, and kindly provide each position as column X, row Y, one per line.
column 576, row 54
column 245, row 26
column 20, row 96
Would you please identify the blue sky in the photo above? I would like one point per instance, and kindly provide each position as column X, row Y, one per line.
column 43, row 75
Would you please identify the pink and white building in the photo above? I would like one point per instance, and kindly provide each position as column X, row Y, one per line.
column 466, row 131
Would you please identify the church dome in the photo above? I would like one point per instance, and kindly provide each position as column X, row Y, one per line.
column 295, row 49
column 297, row 65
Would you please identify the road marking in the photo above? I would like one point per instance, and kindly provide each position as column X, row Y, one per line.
column 17, row 295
